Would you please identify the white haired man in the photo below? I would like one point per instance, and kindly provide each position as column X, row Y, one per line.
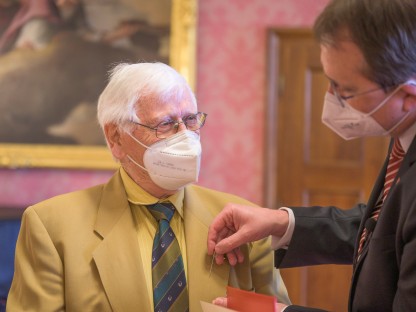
column 94, row 250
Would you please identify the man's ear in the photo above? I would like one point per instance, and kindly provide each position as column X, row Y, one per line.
column 410, row 99
column 113, row 137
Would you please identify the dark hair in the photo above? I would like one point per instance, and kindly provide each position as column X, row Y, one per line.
column 384, row 30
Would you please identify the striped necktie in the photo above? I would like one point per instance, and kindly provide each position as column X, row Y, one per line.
column 395, row 160
column 168, row 275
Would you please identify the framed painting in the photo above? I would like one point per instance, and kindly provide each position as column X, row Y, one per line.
column 54, row 60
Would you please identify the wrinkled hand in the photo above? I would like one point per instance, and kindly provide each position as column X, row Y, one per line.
column 236, row 225
column 222, row 301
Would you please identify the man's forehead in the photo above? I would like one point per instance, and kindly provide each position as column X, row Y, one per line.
column 160, row 110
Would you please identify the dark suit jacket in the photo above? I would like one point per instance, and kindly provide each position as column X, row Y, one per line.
column 384, row 278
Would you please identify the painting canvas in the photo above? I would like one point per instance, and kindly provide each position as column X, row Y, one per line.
column 54, row 61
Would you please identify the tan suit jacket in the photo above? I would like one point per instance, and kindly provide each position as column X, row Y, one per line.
column 80, row 252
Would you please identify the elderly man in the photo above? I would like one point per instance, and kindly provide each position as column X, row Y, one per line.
column 136, row 243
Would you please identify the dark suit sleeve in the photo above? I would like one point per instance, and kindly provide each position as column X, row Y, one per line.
column 322, row 235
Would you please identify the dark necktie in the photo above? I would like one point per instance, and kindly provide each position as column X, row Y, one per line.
column 168, row 275
column 395, row 160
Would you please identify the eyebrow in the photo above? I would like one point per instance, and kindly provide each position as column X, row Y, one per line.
column 343, row 88
column 158, row 120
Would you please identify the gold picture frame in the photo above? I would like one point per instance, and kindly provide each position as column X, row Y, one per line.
column 181, row 57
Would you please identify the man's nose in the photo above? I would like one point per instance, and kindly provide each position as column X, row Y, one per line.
column 180, row 125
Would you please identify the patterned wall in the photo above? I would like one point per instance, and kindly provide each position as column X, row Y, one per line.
column 231, row 86
column 231, row 69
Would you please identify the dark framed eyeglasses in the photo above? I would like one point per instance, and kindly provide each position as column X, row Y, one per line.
column 165, row 129
column 342, row 99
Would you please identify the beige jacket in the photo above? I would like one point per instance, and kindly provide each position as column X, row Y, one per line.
column 79, row 252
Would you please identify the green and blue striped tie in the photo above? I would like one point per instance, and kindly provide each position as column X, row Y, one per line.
column 168, row 275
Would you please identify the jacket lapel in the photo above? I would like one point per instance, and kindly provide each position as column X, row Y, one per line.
column 117, row 257
column 372, row 201
column 201, row 284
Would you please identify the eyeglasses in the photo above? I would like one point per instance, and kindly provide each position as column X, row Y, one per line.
column 165, row 129
column 342, row 99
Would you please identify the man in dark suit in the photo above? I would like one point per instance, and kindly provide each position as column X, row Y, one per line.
column 368, row 53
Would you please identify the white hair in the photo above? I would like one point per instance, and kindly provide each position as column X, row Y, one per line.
column 129, row 83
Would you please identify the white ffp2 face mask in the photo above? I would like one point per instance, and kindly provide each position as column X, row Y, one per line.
column 173, row 162
column 350, row 123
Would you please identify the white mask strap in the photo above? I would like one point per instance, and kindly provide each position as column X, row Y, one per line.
column 130, row 158
column 136, row 163
column 411, row 81
column 397, row 124
column 384, row 101
column 147, row 147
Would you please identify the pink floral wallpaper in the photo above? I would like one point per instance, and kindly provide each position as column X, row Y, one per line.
column 231, row 67
column 231, row 86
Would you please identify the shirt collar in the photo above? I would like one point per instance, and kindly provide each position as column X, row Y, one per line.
column 407, row 137
column 138, row 196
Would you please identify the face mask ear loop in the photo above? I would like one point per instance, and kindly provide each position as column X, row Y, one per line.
column 412, row 82
column 397, row 124
column 409, row 82
column 136, row 163
column 385, row 100
column 131, row 159
column 145, row 146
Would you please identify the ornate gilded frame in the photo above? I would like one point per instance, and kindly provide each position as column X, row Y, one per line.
column 182, row 57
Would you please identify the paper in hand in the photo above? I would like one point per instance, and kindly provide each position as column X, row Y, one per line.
column 248, row 301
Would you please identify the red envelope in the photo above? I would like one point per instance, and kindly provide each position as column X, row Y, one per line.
column 247, row 301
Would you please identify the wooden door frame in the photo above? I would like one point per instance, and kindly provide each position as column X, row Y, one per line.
column 274, row 85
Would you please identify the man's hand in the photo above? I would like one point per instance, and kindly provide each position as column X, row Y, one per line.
column 236, row 225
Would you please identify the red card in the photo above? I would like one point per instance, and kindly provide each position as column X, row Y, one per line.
column 248, row 301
